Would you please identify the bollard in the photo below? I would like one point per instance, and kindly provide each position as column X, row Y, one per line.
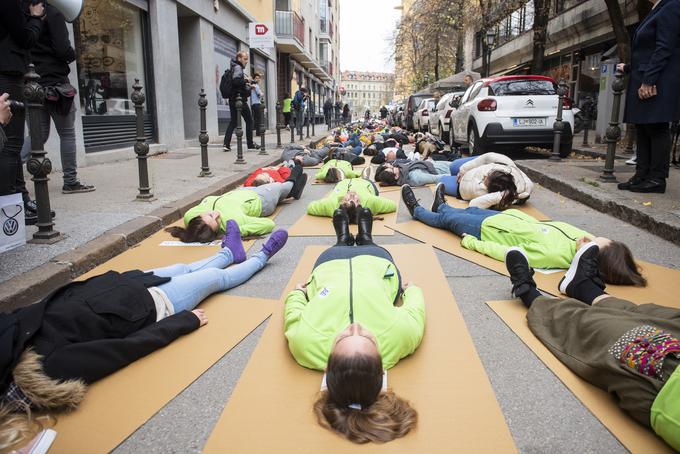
column 302, row 123
column 39, row 165
column 613, row 133
column 278, row 124
column 313, row 118
column 239, row 131
column 141, row 147
column 292, row 127
column 203, row 137
column 262, row 129
column 309, row 105
column 558, row 126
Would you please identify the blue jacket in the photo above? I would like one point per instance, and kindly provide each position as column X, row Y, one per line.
column 299, row 98
column 656, row 61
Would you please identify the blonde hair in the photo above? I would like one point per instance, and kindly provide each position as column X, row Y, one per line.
column 388, row 418
column 260, row 179
column 45, row 393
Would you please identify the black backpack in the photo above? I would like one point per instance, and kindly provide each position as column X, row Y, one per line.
column 226, row 84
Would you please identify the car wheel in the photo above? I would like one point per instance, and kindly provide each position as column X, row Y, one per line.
column 443, row 134
column 565, row 149
column 474, row 146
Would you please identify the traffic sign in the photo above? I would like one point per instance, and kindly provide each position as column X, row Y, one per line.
column 261, row 35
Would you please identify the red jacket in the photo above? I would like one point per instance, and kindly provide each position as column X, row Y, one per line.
column 279, row 175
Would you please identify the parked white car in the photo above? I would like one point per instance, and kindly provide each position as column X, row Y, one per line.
column 440, row 118
column 514, row 111
column 422, row 113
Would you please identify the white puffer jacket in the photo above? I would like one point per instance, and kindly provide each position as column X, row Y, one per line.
column 473, row 173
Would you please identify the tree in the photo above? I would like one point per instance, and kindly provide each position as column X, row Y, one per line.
column 620, row 30
column 540, row 29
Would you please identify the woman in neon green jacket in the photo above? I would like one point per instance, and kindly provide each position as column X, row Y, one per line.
column 344, row 320
column 336, row 170
column 352, row 194
column 548, row 244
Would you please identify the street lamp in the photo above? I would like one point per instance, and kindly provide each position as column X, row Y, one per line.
column 490, row 41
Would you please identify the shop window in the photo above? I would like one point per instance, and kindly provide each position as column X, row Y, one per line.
column 225, row 49
column 110, row 45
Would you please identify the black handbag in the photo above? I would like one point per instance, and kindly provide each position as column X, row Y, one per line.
column 61, row 97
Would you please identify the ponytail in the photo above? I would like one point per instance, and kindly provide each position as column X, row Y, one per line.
column 196, row 231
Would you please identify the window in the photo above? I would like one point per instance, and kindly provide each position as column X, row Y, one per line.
column 522, row 87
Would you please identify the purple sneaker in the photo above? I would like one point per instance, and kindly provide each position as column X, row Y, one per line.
column 232, row 241
column 275, row 242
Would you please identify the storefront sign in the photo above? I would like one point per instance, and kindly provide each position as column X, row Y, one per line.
column 261, row 35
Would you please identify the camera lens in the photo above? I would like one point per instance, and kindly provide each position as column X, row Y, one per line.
column 16, row 106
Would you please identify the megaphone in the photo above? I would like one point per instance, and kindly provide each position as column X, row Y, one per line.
column 69, row 8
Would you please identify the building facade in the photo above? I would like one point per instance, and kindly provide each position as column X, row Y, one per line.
column 174, row 48
column 308, row 48
column 367, row 91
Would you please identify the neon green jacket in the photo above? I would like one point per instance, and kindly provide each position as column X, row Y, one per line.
column 548, row 244
column 362, row 290
column 665, row 413
column 368, row 196
column 286, row 105
column 242, row 205
column 345, row 166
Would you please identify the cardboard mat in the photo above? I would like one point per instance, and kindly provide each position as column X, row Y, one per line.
column 271, row 407
column 632, row 435
column 309, row 225
column 662, row 287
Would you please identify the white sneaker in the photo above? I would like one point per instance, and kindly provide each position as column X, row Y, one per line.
column 632, row 161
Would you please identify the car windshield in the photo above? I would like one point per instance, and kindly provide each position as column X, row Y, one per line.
column 520, row 87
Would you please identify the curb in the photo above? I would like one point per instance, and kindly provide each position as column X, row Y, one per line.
column 626, row 213
column 593, row 153
column 34, row 285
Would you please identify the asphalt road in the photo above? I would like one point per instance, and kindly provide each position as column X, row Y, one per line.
column 542, row 414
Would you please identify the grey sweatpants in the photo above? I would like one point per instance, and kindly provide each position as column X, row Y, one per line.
column 271, row 195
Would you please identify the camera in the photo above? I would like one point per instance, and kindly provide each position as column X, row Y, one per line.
column 16, row 106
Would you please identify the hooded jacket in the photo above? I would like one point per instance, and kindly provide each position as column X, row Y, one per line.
column 343, row 165
column 548, row 244
column 238, row 82
column 471, row 186
column 368, row 197
column 242, row 205
column 19, row 32
column 279, row 175
column 54, row 52
column 340, row 292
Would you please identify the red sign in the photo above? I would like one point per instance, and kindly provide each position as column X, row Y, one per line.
column 261, row 29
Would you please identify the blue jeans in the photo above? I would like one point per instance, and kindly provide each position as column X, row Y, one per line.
column 421, row 177
column 194, row 282
column 456, row 220
column 451, row 183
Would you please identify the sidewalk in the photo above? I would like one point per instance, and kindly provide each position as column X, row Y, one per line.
column 101, row 224
column 577, row 178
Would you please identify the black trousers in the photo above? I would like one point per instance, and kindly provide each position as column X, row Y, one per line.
column 257, row 117
column 653, row 150
column 247, row 118
column 11, row 168
column 286, row 119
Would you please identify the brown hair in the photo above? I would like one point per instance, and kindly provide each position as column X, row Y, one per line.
column 196, row 231
column 617, row 265
column 260, row 179
column 333, row 175
column 257, row 75
column 499, row 181
column 384, row 177
column 375, row 416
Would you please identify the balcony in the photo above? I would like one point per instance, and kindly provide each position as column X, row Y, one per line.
column 290, row 31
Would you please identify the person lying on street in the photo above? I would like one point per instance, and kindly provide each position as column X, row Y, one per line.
column 85, row 331
column 352, row 194
column 265, row 175
column 358, row 278
column 303, row 155
column 548, row 244
column 415, row 173
column 632, row 352
column 335, row 170
column 248, row 206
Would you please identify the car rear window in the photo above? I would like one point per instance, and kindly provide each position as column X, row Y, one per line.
column 522, row 87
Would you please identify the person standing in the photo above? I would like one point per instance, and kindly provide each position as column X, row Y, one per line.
column 287, row 101
column 652, row 98
column 328, row 110
column 256, row 101
column 51, row 56
column 299, row 103
column 383, row 112
column 240, row 85
column 19, row 32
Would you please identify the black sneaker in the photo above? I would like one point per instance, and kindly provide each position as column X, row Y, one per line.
column 439, row 197
column 31, row 208
column 520, row 272
column 253, row 146
column 30, row 218
column 77, row 188
column 583, row 267
column 409, row 198
column 226, row 148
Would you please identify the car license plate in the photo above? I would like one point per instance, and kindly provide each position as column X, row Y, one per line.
column 520, row 122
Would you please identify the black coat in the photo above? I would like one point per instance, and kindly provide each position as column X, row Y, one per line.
column 656, row 61
column 90, row 329
column 238, row 82
column 18, row 33
column 54, row 52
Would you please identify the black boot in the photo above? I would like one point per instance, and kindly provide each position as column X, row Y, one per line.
column 299, row 179
column 341, row 226
column 365, row 223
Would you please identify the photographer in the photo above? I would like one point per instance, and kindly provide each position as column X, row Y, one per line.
column 51, row 56
column 19, row 32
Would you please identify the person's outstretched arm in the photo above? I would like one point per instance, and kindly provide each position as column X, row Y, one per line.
column 411, row 323
column 96, row 359
column 380, row 205
column 295, row 304
column 488, row 248
column 487, row 201
column 323, row 207
column 486, row 158
column 255, row 226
